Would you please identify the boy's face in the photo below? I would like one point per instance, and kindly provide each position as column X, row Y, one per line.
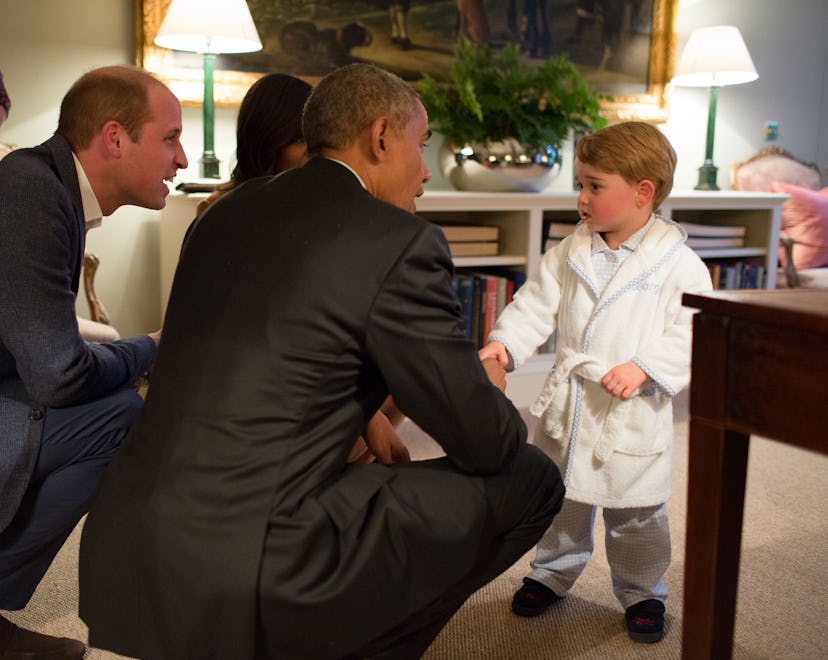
column 609, row 204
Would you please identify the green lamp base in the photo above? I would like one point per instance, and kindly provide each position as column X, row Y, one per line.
column 707, row 177
column 209, row 166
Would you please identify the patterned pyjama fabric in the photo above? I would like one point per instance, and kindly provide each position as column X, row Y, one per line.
column 637, row 542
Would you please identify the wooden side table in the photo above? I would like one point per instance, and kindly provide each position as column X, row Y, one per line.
column 760, row 361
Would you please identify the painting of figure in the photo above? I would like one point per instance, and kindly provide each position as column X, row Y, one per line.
column 623, row 47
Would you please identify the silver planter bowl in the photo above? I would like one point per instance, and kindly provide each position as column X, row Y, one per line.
column 500, row 167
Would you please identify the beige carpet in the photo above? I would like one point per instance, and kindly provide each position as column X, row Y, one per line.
column 783, row 595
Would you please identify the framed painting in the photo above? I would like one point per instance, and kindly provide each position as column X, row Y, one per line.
column 625, row 48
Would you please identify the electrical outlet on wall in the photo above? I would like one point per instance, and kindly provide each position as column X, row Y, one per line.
column 771, row 130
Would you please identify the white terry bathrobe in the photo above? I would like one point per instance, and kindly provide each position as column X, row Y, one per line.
column 613, row 453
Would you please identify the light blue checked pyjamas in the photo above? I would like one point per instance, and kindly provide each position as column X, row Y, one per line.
column 637, row 543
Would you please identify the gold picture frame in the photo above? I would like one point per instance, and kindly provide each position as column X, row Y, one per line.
column 183, row 72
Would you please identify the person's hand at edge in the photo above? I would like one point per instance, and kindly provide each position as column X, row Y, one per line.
column 383, row 442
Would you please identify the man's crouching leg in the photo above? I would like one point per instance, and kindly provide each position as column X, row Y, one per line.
column 522, row 500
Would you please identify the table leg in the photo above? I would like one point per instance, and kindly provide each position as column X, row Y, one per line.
column 716, row 489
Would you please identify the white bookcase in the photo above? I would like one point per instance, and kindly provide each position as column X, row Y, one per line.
column 520, row 217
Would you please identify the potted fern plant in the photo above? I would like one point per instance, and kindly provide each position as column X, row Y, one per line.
column 503, row 120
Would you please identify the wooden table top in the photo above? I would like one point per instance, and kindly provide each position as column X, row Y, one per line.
column 801, row 308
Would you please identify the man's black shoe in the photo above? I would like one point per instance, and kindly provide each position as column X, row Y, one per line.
column 533, row 598
column 20, row 644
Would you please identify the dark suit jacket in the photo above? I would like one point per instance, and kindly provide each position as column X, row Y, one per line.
column 44, row 362
column 298, row 304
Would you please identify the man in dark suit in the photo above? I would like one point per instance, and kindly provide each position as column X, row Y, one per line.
column 230, row 524
column 65, row 404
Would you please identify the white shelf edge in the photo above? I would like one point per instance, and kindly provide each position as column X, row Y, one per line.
column 727, row 253
column 503, row 260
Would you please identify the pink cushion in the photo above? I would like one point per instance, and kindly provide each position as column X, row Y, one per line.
column 805, row 220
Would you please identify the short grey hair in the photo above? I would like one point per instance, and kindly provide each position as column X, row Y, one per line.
column 349, row 99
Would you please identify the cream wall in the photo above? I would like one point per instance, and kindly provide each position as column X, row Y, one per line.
column 47, row 44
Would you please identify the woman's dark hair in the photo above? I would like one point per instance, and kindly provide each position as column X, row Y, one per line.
column 270, row 118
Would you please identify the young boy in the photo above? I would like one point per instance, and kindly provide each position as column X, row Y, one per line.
column 613, row 292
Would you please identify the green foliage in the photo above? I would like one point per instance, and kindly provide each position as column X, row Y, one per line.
column 494, row 95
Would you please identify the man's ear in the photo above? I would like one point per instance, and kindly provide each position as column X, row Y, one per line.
column 644, row 192
column 379, row 132
column 113, row 135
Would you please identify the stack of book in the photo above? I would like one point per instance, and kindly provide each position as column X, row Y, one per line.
column 738, row 274
column 471, row 240
column 556, row 232
column 482, row 296
column 700, row 237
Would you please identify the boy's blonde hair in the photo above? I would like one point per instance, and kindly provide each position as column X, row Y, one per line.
column 635, row 150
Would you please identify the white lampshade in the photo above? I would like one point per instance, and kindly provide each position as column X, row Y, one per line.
column 209, row 26
column 715, row 57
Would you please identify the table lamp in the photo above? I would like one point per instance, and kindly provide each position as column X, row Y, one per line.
column 209, row 27
column 713, row 57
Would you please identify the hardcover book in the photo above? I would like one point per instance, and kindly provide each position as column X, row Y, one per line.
column 456, row 233
column 560, row 229
column 694, row 229
column 473, row 248
column 715, row 241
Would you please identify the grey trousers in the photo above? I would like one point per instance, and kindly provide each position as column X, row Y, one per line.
column 637, row 542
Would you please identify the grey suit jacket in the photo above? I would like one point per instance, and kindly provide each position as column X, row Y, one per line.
column 44, row 362
column 298, row 303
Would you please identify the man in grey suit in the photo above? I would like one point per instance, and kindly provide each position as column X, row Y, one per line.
column 230, row 525
column 65, row 404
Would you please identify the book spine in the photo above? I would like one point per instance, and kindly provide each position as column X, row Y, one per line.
column 510, row 289
column 476, row 328
column 715, row 270
column 519, row 278
column 730, row 277
column 465, row 286
column 490, row 308
column 501, row 294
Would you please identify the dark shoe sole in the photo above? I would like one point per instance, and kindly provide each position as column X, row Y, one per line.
column 646, row 638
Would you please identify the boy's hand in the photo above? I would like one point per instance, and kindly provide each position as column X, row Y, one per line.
column 497, row 351
column 623, row 380
column 496, row 373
